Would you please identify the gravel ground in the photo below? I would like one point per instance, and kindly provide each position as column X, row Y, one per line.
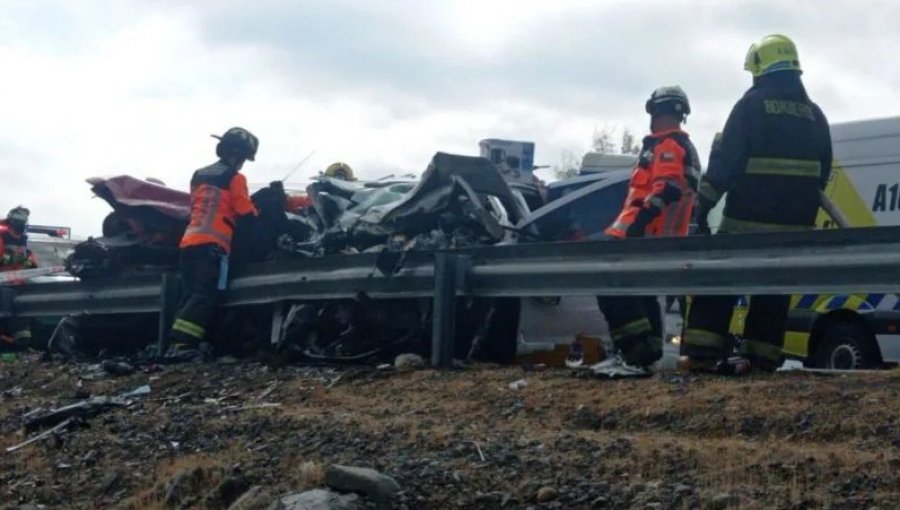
column 461, row 439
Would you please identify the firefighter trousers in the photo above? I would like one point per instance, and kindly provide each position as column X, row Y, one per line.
column 200, row 268
column 635, row 325
column 707, row 335
column 15, row 334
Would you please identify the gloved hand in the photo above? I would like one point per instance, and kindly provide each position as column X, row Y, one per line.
column 701, row 216
column 643, row 218
column 670, row 193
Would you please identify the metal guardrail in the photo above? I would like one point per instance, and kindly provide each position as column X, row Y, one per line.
column 846, row 260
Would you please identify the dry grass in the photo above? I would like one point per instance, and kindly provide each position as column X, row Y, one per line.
column 778, row 442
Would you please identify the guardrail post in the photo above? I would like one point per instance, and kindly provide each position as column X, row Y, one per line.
column 168, row 304
column 449, row 276
column 277, row 322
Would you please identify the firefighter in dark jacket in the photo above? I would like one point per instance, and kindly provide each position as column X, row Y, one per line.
column 218, row 196
column 660, row 202
column 772, row 159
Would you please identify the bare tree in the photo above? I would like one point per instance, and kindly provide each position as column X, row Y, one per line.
column 629, row 144
column 602, row 140
column 567, row 165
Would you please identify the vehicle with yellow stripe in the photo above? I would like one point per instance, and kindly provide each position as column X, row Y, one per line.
column 856, row 330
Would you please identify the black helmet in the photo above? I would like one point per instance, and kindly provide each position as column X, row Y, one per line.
column 671, row 100
column 237, row 142
column 17, row 218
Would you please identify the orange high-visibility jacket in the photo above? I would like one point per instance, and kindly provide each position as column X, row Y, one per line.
column 14, row 252
column 668, row 167
column 218, row 196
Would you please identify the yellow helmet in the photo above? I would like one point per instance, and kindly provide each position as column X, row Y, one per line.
column 771, row 54
column 340, row 171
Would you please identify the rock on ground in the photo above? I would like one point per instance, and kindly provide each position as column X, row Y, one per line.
column 316, row 499
column 256, row 498
column 183, row 487
column 409, row 362
column 376, row 486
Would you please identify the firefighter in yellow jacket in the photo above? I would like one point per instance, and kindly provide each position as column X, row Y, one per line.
column 772, row 159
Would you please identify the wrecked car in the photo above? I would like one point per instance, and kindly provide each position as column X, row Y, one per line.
column 459, row 202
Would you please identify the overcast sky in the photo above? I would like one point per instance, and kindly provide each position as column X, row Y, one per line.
column 120, row 86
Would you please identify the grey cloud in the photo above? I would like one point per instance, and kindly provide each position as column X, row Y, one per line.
column 397, row 63
column 603, row 54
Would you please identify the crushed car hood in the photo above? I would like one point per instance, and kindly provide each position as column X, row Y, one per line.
column 126, row 191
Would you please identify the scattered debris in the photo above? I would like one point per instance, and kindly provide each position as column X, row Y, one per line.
column 478, row 448
column 12, row 392
column 376, row 486
column 518, row 385
column 409, row 362
column 47, row 433
column 84, row 409
column 140, row 391
column 791, row 365
column 268, row 391
column 615, row 368
column 119, row 368
column 623, row 445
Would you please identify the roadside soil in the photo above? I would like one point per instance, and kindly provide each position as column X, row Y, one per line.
column 456, row 439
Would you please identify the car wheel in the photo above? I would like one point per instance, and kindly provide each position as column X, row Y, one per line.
column 847, row 346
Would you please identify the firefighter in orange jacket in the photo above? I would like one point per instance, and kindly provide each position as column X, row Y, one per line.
column 218, row 196
column 15, row 255
column 660, row 202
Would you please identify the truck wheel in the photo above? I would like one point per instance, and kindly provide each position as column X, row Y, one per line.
column 847, row 346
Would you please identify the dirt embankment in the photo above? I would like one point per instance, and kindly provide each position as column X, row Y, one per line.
column 457, row 439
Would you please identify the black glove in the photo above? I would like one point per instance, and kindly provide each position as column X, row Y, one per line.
column 643, row 218
column 703, row 227
column 670, row 193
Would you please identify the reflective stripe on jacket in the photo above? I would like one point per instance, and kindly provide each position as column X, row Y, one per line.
column 773, row 157
column 218, row 196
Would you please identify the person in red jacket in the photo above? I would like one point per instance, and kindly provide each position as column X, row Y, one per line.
column 660, row 202
column 15, row 255
column 218, row 196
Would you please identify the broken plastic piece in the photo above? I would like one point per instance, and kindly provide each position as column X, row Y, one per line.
column 84, row 409
column 518, row 385
column 616, row 368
